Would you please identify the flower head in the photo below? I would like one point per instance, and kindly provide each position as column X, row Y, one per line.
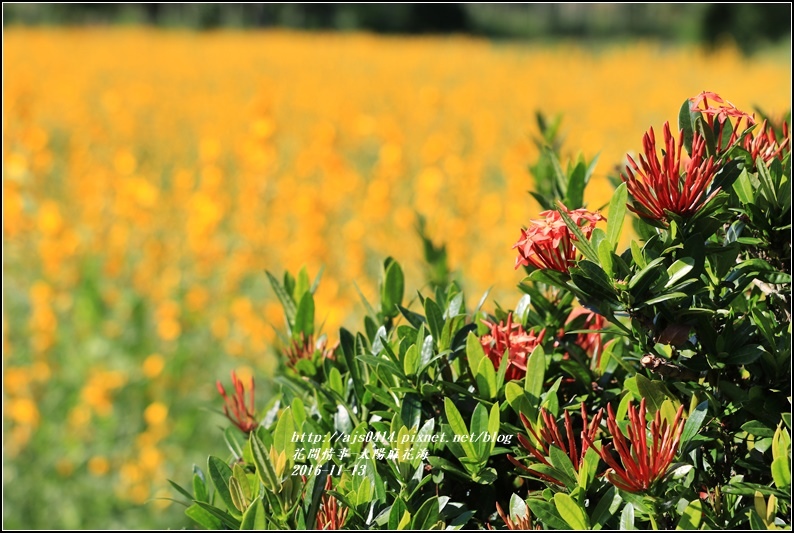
column 549, row 243
column 330, row 515
column 765, row 145
column 511, row 337
column 642, row 462
column 549, row 435
column 243, row 416
column 305, row 348
column 722, row 111
column 659, row 186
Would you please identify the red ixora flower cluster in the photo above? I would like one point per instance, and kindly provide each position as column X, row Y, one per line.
column 765, row 144
column 305, row 347
column 243, row 416
column 549, row 435
column 511, row 337
column 643, row 458
column 330, row 516
column 658, row 186
column 548, row 242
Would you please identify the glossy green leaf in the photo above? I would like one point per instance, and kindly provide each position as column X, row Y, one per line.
column 693, row 423
column 685, row 119
column 255, row 517
column 679, row 270
column 781, row 472
column 393, row 290
column 458, row 425
column 547, row 513
column 220, row 473
column 574, row 195
column 606, row 507
column 203, row 517
column 286, row 300
column 486, row 379
column 627, row 518
column 536, row 375
column 691, row 517
column 304, row 316
column 225, row 518
column 474, row 352
column 427, row 515
column 571, row 512
column 396, row 513
column 264, row 468
column 617, row 214
column 518, row 508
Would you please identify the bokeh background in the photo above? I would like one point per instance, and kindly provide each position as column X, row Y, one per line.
column 157, row 159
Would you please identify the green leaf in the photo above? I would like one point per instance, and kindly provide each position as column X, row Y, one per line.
column 678, row 271
column 533, row 384
column 627, row 517
column 645, row 277
column 427, row 515
column 759, row 429
column 547, row 513
column 393, row 290
column 255, row 518
column 411, row 410
column 459, row 427
column 238, row 499
column 781, row 472
column 652, row 391
column 574, row 196
column 396, row 512
column 663, row 298
column 411, row 361
column 478, row 429
column 203, row 517
column 517, row 399
column 685, row 116
column 766, row 181
column 282, row 437
column 224, row 517
column 571, row 512
column 561, row 461
column 304, row 316
column 691, row 517
column 518, row 508
column 286, row 300
column 435, row 318
column 743, row 187
column 617, row 213
column 693, row 423
column 607, row 505
column 231, row 436
column 220, row 473
column 474, row 352
column 264, row 468
column 184, row 492
column 347, row 342
column 745, row 355
column 486, row 379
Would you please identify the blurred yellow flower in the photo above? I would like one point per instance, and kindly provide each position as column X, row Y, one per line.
column 153, row 365
column 155, row 414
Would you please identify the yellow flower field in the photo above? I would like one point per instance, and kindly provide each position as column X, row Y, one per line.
column 151, row 177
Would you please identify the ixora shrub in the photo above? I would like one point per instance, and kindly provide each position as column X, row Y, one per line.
column 643, row 389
